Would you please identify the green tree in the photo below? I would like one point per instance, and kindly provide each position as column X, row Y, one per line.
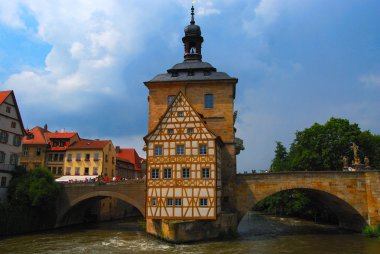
column 321, row 147
column 36, row 189
column 280, row 161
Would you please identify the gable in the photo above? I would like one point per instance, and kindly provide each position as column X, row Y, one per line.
column 178, row 119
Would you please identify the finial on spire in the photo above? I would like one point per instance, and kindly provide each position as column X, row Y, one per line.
column 192, row 12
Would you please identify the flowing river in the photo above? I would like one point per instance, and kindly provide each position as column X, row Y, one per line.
column 257, row 234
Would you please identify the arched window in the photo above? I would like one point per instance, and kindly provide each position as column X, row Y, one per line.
column 193, row 50
column 2, row 157
column 14, row 159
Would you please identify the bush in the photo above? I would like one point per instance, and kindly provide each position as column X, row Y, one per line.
column 371, row 231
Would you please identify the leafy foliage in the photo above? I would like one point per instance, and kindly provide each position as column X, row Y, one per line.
column 36, row 189
column 322, row 147
column 280, row 161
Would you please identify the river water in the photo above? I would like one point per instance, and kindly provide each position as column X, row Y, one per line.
column 257, row 234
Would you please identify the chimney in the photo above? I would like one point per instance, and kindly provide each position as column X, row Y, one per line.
column 45, row 128
column 117, row 149
column 63, row 130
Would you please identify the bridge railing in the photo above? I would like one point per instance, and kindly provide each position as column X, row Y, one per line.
column 100, row 183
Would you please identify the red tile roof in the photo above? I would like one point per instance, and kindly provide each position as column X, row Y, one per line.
column 4, row 95
column 38, row 136
column 61, row 134
column 130, row 155
column 89, row 144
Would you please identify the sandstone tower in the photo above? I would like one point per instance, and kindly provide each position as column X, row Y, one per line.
column 191, row 145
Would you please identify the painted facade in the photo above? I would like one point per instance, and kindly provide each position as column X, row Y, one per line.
column 183, row 174
column 59, row 142
column 91, row 157
column 34, row 148
column 11, row 134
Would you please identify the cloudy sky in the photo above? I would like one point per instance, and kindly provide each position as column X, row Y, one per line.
column 81, row 64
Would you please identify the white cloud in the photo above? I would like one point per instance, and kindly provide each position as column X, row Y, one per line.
column 91, row 42
column 265, row 14
column 206, row 8
column 370, row 79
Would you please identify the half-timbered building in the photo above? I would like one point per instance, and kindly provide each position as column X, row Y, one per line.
column 184, row 166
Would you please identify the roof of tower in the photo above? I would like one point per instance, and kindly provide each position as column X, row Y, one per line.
column 191, row 69
column 192, row 29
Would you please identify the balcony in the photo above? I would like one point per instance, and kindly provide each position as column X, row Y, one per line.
column 7, row 167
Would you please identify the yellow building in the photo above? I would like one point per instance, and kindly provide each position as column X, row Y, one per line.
column 90, row 158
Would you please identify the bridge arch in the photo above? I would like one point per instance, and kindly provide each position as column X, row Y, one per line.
column 94, row 194
column 350, row 207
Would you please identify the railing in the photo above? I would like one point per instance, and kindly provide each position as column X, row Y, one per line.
column 7, row 167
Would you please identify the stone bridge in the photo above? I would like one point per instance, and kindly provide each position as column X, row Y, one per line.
column 72, row 194
column 353, row 196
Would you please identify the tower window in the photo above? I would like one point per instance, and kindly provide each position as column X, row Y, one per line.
column 193, row 50
column 205, row 173
column 203, row 202
column 170, row 99
column 158, row 150
column 209, row 100
column 169, row 202
column 185, row 173
column 167, row 173
column 178, row 201
column 155, row 173
column 180, row 150
column 202, row 149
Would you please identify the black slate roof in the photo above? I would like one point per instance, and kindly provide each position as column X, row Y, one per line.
column 192, row 71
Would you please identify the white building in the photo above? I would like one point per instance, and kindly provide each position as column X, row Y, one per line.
column 11, row 133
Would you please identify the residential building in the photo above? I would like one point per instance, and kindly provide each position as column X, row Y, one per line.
column 90, row 158
column 35, row 145
column 11, row 134
column 59, row 142
column 128, row 163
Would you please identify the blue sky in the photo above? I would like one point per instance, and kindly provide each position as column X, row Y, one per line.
column 80, row 65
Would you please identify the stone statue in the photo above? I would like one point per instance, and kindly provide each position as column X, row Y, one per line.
column 345, row 161
column 366, row 162
column 355, row 149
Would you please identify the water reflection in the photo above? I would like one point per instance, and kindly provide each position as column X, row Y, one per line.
column 128, row 237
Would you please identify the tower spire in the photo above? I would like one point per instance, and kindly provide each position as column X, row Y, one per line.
column 192, row 13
